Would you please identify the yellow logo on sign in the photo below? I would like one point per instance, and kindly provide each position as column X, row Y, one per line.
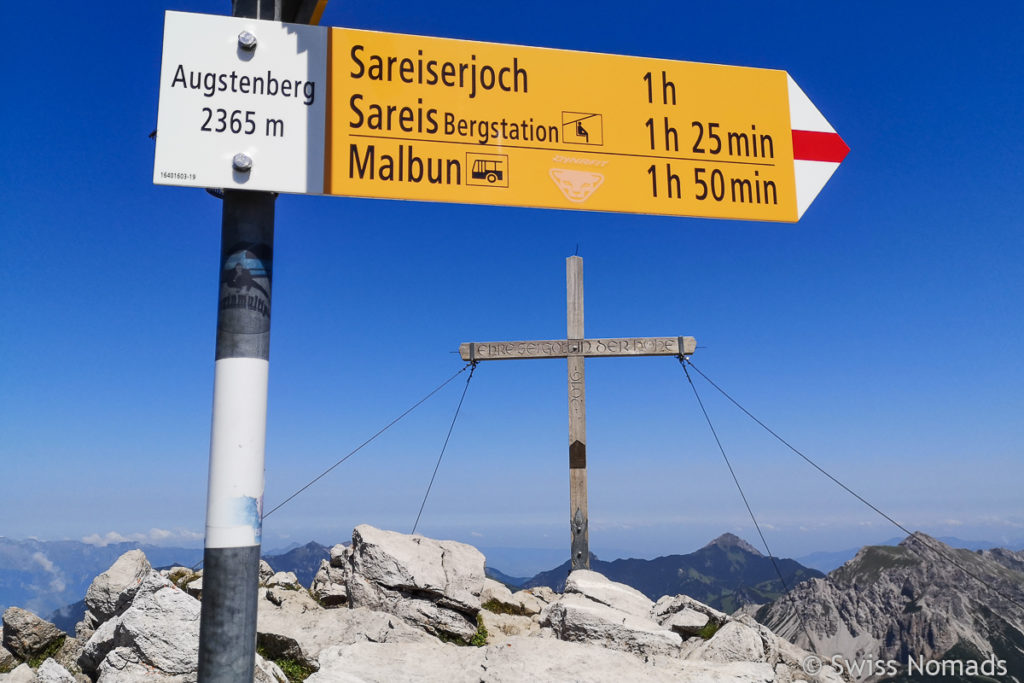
column 577, row 186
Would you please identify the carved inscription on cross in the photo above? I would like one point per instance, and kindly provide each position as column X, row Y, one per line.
column 575, row 348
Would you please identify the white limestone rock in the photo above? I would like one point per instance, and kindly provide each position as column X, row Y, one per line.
column 124, row 665
column 359, row 624
column 112, row 591
column 577, row 618
column 427, row 662
column 518, row 660
column 52, row 672
column 424, row 612
column 180, row 576
column 268, row 672
column 433, row 584
column 7, row 659
column 786, row 657
column 502, row 626
column 551, row 660
column 292, row 625
column 160, row 630
column 67, row 656
column 266, row 572
column 339, row 555
column 452, row 571
column 493, row 590
column 23, row 673
column 287, row 620
column 528, row 602
column 99, row 644
column 686, row 622
column 26, row 635
column 284, row 580
column 734, row 642
column 86, row 626
column 194, row 588
column 667, row 605
column 600, row 589
column 328, row 587
column 544, row 594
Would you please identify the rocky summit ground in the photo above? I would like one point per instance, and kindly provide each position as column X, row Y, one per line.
column 393, row 607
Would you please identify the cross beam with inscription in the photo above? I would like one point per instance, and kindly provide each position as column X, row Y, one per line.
column 575, row 348
column 588, row 348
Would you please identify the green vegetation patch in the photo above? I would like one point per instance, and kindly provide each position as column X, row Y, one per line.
column 479, row 639
column 295, row 670
column 37, row 659
column 497, row 607
column 449, row 637
column 710, row 629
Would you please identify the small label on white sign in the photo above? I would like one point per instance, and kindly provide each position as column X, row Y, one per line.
column 219, row 100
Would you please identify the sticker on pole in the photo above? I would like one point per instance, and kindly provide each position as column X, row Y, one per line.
column 242, row 104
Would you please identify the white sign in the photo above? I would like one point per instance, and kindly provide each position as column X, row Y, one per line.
column 238, row 118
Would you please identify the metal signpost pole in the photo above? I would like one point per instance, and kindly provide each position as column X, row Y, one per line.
column 227, row 627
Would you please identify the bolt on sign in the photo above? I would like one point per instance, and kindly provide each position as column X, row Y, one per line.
column 437, row 119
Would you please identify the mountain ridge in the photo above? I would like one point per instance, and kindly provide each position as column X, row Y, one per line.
column 726, row 573
column 921, row 598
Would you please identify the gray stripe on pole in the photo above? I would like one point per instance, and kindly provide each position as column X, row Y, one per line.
column 230, row 580
column 246, row 272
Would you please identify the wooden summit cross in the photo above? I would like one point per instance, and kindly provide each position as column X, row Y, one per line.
column 575, row 348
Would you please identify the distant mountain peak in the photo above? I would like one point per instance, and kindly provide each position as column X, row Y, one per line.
column 727, row 541
column 920, row 598
column 919, row 538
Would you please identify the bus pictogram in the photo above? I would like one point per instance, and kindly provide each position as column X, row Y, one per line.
column 487, row 170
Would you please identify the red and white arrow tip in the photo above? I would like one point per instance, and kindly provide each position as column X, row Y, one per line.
column 817, row 148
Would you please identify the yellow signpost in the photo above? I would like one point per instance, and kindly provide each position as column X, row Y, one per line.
column 437, row 119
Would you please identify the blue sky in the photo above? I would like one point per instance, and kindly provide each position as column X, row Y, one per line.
column 880, row 334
